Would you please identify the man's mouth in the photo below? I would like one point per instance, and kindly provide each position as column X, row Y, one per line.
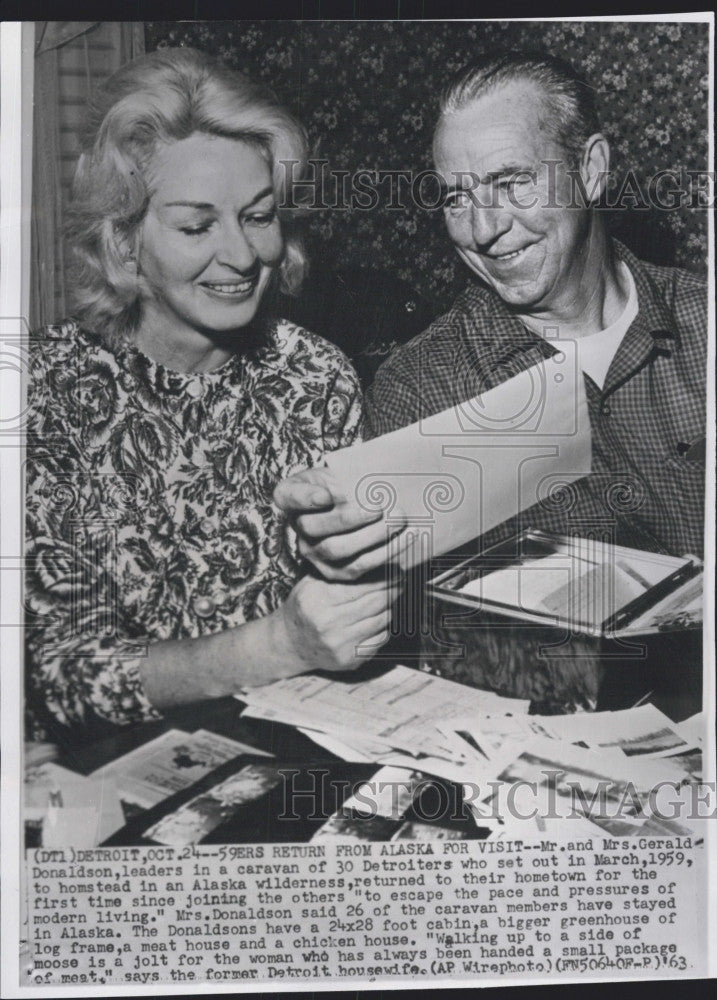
column 512, row 255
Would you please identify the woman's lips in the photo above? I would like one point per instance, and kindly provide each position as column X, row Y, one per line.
column 231, row 289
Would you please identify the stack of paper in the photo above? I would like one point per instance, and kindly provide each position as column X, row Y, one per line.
column 390, row 719
column 625, row 773
column 599, row 769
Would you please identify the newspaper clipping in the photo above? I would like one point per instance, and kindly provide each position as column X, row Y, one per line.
column 357, row 438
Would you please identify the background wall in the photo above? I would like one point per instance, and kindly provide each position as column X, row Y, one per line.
column 71, row 59
column 367, row 93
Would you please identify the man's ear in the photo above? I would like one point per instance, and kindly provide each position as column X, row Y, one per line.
column 595, row 167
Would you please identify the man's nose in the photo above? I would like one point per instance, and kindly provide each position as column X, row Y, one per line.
column 488, row 223
column 235, row 250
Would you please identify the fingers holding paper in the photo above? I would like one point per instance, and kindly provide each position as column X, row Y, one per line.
column 307, row 491
column 341, row 538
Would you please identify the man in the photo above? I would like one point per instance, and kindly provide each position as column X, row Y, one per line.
column 519, row 146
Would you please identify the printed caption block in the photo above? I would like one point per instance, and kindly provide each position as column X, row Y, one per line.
column 605, row 907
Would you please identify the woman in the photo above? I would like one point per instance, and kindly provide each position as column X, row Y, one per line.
column 160, row 570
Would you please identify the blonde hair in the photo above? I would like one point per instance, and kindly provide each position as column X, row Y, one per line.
column 163, row 97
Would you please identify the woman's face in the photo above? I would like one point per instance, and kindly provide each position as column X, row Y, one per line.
column 210, row 240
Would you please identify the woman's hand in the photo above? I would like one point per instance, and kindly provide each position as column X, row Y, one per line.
column 333, row 626
column 342, row 539
column 321, row 626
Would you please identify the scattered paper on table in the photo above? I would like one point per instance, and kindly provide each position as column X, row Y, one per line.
column 170, row 763
column 488, row 744
column 397, row 709
column 73, row 810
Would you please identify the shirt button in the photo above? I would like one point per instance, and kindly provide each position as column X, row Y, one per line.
column 195, row 390
column 206, row 526
column 204, row 607
column 606, row 409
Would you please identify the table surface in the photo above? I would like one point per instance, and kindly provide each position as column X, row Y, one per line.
column 313, row 783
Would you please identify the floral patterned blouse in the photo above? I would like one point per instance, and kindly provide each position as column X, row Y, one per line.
column 149, row 504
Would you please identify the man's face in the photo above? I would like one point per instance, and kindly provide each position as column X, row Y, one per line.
column 508, row 216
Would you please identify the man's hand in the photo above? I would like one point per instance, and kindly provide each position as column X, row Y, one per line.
column 333, row 626
column 342, row 539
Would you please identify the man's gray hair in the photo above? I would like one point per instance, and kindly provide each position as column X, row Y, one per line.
column 569, row 112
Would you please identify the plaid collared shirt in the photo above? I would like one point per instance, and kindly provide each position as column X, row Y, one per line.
column 647, row 482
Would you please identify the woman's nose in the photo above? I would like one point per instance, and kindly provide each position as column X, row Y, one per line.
column 235, row 250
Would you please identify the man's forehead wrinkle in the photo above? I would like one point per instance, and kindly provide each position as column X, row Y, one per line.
column 479, row 156
column 519, row 108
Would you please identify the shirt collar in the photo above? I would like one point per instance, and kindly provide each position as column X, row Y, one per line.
column 656, row 318
column 497, row 337
column 652, row 331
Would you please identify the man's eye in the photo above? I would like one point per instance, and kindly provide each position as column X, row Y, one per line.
column 458, row 201
column 510, row 183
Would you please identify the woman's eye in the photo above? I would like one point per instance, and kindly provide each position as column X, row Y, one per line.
column 196, row 230
column 261, row 219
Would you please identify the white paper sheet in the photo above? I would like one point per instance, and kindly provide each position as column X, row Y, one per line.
column 389, row 792
column 74, row 810
column 561, row 587
column 463, row 471
column 398, row 709
column 170, row 763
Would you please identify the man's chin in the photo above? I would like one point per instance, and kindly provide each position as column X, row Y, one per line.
column 521, row 298
column 516, row 292
column 518, row 297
